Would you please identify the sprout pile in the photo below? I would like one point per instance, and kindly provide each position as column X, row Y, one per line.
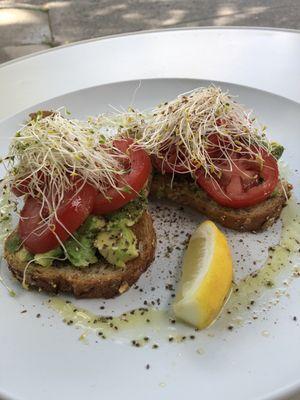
column 51, row 153
column 186, row 126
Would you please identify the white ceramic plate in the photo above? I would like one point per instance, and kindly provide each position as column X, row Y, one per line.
column 266, row 59
column 44, row 358
column 41, row 357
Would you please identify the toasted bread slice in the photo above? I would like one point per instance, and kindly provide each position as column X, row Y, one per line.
column 184, row 191
column 97, row 280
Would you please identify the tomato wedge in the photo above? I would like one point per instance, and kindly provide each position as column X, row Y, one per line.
column 130, row 184
column 171, row 162
column 214, row 145
column 174, row 161
column 243, row 181
column 21, row 187
column 40, row 237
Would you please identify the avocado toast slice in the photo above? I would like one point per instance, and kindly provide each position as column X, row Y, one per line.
column 184, row 191
column 100, row 279
column 84, row 227
column 210, row 153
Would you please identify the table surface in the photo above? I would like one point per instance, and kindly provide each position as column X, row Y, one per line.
column 27, row 26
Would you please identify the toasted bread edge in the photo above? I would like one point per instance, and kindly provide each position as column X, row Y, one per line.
column 99, row 280
column 251, row 219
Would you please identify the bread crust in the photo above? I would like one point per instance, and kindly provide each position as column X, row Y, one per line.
column 184, row 191
column 99, row 280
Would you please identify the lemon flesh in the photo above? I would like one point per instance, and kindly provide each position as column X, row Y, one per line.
column 206, row 277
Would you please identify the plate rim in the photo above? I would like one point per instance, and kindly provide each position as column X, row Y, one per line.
column 148, row 32
column 278, row 41
column 6, row 119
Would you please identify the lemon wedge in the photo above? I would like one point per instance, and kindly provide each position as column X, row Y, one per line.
column 206, row 277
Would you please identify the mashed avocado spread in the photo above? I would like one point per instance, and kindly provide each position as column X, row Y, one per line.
column 277, row 149
column 110, row 237
column 117, row 245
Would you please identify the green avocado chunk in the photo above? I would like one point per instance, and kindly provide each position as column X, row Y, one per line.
column 14, row 243
column 80, row 249
column 118, row 244
column 276, row 150
column 46, row 259
column 130, row 213
column 91, row 226
column 23, row 255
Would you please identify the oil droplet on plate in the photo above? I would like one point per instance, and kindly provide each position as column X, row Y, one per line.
column 264, row 284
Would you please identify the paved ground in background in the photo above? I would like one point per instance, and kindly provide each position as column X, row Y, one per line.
column 26, row 27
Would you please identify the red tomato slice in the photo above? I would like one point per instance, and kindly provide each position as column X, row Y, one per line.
column 171, row 162
column 244, row 183
column 131, row 183
column 216, row 142
column 40, row 237
column 21, row 188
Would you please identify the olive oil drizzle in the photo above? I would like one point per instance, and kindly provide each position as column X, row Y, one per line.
column 140, row 320
column 271, row 281
column 262, row 287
